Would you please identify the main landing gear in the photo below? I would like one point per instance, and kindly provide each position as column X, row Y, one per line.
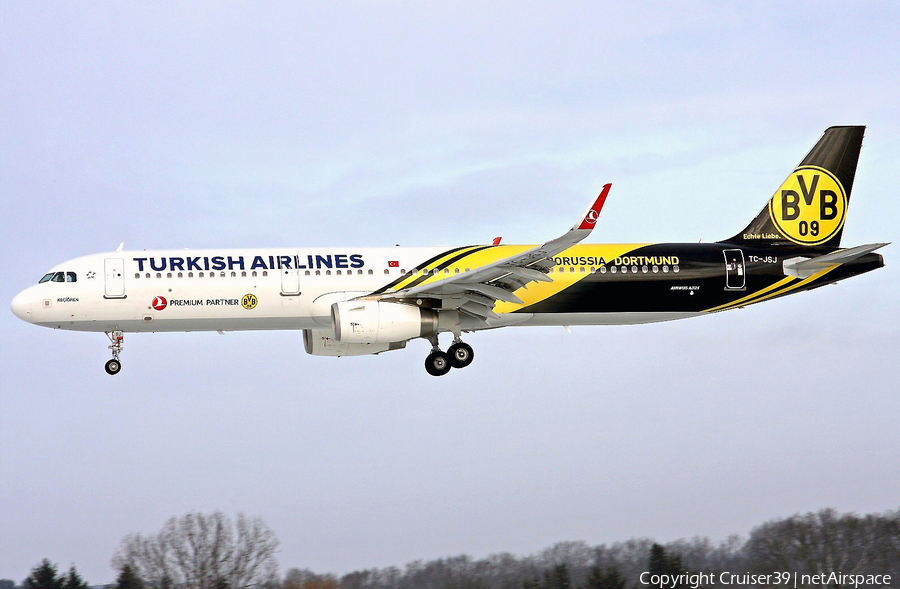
column 115, row 338
column 439, row 363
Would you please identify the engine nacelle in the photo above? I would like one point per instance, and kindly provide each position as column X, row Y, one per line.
column 370, row 322
column 321, row 342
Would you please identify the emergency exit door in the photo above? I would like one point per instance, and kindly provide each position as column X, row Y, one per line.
column 290, row 282
column 735, row 270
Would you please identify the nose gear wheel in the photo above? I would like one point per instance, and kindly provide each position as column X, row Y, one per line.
column 115, row 339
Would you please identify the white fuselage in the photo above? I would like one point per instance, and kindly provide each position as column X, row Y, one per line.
column 205, row 290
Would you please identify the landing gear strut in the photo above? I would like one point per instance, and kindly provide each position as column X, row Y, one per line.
column 439, row 363
column 115, row 338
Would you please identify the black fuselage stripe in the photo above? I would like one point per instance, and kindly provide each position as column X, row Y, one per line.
column 424, row 264
column 445, row 264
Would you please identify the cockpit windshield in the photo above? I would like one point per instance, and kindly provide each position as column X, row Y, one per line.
column 59, row 277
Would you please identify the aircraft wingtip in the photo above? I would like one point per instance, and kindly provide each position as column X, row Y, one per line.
column 593, row 212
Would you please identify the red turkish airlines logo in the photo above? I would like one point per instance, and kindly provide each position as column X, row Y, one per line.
column 159, row 303
column 591, row 217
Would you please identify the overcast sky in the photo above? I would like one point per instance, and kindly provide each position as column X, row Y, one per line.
column 218, row 124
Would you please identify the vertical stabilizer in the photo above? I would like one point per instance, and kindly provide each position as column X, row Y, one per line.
column 810, row 207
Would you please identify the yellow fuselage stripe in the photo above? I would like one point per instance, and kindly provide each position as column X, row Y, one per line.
column 746, row 300
column 772, row 292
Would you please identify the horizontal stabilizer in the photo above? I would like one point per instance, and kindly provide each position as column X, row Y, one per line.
column 803, row 267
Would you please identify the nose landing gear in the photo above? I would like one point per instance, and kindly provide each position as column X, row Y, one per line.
column 459, row 355
column 115, row 338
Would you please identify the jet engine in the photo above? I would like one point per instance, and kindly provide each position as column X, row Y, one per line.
column 370, row 322
column 321, row 342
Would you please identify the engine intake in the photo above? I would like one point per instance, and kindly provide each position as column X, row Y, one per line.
column 368, row 322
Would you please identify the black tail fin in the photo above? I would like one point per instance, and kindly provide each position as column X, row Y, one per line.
column 810, row 207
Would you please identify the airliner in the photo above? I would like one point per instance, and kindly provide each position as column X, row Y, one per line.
column 358, row 301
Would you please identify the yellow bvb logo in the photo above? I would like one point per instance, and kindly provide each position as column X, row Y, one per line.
column 249, row 301
column 810, row 207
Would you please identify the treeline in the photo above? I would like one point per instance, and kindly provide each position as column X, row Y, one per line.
column 213, row 552
column 814, row 543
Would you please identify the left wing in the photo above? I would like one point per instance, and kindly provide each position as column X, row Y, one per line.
column 477, row 291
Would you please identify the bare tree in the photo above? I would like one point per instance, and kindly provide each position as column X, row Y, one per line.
column 826, row 542
column 199, row 551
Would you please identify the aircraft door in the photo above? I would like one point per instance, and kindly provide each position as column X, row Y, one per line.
column 114, row 283
column 290, row 282
column 735, row 270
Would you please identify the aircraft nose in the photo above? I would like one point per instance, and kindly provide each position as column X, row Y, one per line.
column 21, row 306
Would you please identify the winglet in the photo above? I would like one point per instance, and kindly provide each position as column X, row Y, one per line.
column 593, row 212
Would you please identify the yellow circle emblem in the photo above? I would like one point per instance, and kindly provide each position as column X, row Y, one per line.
column 249, row 301
column 810, row 207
